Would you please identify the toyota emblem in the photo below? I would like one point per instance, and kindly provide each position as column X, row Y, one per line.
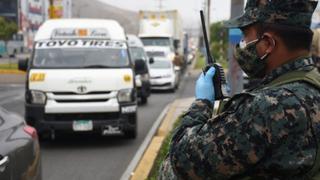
column 82, row 89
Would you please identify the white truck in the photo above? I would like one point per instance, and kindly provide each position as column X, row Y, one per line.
column 81, row 79
column 162, row 33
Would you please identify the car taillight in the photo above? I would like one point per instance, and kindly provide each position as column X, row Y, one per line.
column 31, row 131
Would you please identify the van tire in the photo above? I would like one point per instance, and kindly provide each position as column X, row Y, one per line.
column 173, row 90
column 130, row 131
column 44, row 136
column 144, row 100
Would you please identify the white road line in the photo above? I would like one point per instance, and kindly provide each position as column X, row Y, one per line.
column 137, row 157
column 11, row 85
column 9, row 100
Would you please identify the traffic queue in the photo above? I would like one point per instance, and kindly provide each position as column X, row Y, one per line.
column 86, row 76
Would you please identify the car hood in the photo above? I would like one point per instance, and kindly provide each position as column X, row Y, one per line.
column 160, row 72
column 9, row 120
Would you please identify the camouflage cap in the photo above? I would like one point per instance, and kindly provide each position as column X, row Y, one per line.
column 296, row 13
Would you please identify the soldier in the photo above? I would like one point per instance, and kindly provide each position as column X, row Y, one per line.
column 270, row 132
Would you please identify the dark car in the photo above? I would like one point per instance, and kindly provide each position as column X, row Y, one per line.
column 19, row 149
column 138, row 53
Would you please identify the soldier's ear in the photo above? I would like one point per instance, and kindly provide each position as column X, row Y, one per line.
column 269, row 42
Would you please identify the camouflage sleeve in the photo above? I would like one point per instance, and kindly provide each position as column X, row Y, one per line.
column 234, row 141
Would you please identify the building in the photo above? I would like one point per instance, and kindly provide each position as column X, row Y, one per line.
column 9, row 9
column 32, row 13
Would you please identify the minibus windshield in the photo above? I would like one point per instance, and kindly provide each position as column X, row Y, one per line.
column 97, row 55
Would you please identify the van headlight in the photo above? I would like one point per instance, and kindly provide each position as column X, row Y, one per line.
column 38, row 97
column 125, row 95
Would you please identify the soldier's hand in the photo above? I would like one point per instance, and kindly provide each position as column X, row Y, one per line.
column 205, row 87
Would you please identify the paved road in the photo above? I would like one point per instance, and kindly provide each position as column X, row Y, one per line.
column 94, row 157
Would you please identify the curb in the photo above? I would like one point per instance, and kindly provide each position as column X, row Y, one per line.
column 144, row 166
column 145, row 145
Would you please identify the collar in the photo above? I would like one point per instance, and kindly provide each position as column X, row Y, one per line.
column 299, row 64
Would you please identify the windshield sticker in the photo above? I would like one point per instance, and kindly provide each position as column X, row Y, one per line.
column 82, row 33
column 80, row 44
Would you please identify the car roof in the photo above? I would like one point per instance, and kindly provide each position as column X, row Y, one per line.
column 116, row 32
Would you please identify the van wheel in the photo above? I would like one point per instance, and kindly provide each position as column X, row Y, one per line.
column 173, row 90
column 130, row 130
column 144, row 100
column 131, row 133
column 44, row 136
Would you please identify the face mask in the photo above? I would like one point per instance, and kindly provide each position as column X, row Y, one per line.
column 249, row 60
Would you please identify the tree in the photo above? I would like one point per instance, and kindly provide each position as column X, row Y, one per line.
column 219, row 42
column 7, row 29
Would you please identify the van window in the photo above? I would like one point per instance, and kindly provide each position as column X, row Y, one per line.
column 80, row 57
column 138, row 53
column 156, row 41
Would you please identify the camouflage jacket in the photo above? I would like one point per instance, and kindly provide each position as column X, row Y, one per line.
column 317, row 62
column 265, row 133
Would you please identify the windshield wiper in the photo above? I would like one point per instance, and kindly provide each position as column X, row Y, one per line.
column 96, row 66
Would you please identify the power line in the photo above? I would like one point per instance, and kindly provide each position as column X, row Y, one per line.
column 160, row 5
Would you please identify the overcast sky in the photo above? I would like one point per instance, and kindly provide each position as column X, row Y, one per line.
column 189, row 9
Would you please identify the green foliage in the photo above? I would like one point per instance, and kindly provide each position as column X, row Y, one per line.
column 7, row 29
column 154, row 174
column 219, row 42
column 201, row 61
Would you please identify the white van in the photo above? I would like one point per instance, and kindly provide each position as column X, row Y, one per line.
column 81, row 79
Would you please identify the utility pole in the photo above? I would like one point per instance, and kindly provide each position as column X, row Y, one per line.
column 160, row 6
column 235, row 75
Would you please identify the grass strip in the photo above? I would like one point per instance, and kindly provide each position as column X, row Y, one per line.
column 154, row 174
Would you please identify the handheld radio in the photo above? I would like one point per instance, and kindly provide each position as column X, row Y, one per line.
column 219, row 81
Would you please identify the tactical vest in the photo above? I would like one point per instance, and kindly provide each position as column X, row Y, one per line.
column 313, row 78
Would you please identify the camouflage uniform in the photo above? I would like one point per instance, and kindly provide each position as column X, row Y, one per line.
column 270, row 132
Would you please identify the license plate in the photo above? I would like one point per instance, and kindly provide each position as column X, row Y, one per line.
column 83, row 125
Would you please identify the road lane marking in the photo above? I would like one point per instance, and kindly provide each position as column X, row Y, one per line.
column 137, row 157
column 9, row 100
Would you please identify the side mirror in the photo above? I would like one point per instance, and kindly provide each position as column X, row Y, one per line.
column 23, row 64
column 151, row 60
column 176, row 44
column 140, row 67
